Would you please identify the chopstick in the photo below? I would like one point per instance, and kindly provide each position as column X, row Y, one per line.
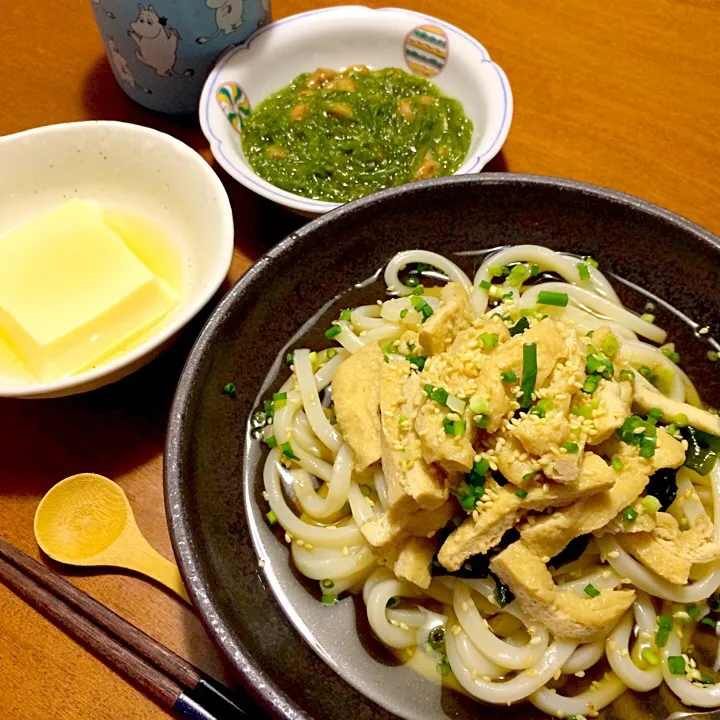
column 171, row 680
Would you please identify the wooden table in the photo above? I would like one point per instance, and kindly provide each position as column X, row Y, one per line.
column 619, row 94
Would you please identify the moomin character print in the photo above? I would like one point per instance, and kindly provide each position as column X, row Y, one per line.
column 157, row 43
column 228, row 17
column 120, row 64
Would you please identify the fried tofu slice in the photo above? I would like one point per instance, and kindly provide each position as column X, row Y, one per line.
column 454, row 315
column 551, row 533
column 508, row 453
column 356, row 395
column 412, row 483
column 540, row 435
column 564, row 613
column 695, row 545
column 656, row 557
column 454, row 453
column 661, row 524
column 646, row 397
column 413, row 561
column 395, row 525
column 475, row 537
column 615, row 399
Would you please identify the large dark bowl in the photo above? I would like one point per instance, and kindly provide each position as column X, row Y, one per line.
column 212, row 483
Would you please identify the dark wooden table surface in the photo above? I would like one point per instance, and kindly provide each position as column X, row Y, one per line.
column 620, row 94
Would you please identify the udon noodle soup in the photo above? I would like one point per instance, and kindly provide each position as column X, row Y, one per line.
column 514, row 473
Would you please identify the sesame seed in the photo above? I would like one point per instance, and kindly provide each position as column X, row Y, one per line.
column 606, row 574
column 345, row 550
column 532, row 672
column 265, row 495
column 580, row 674
column 536, row 641
column 261, row 563
column 487, row 678
column 614, row 554
column 288, row 538
column 456, row 630
column 624, row 652
column 703, row 330
column 404, row 626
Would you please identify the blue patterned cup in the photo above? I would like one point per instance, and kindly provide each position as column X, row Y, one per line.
column 162, row 52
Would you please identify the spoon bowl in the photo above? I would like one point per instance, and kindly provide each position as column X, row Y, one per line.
column 87, row 520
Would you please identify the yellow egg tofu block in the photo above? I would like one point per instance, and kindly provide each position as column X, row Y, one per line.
column 72, row 292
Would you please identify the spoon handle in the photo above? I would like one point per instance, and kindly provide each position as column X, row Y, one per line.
column 150, row 562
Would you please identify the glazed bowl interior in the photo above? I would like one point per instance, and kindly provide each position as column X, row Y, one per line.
column 337, row 38
column 302, row 659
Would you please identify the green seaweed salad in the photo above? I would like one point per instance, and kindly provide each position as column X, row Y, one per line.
column 338, row 136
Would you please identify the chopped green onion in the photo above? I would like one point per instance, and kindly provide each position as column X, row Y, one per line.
column 417, row 360
column 582, row 410
column 648, row 317
column 496, row 292
column 508, row 377
column 259, row 418
column 665, row 622
column 529, row 374
column 422, row 306
column 330, row 353
column 542, row 407
column 693, row 611
column 599, row 364
column 496, row 271
column 651, row 504
column 591, row 383
column 272, row 517
column 610, row 345
column 709, row 622
column 404, row 312
column 650, row 657
column 280, row 400
column 443, row 666
column 676, row 664
column 436, row 638
column 345, row 315
column 618, row 464
column 627, row 375
column 647, row 447
column 328, row 599
column 681, row 419
column 393, row 602
column 571, row 447
column 583, row 271
column 552, row 298
column 520, row 326
column 518, row 273
column 530, row 475
column 654, row 414
column 365, row 490
column 327, row 584
column 648, row 374
column 454, row 427
column 480, row 467
column 479, row 405
column 269, row 408
column 705, row 680
column 287, row 451
column 485, row 285
column 332, row 332
column 413, row 281
column 662, row 637
column 419, row 290
column 489, row 340
column 271, row 442
column 534, row 270
column 591, row 590
column 229, row 389
column 439, row 395
column 521, row 494
column 713, row 355
column 630, row 515
column 290, row 358
column 591, row 262
column 668, row 350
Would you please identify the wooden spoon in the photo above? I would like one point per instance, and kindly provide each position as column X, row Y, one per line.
column 86, row 519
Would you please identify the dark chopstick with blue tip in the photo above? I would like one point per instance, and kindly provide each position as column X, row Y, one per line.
column 170, row 680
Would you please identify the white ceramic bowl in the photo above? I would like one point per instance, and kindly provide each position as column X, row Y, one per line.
column 137, row 169
column 336, row 38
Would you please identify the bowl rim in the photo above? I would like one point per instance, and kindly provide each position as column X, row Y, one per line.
column 241, row 171
column 255, row 679
column 75, row 383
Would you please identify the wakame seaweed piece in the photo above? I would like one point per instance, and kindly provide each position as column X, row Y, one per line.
column 663, row 486
column 573, row 550
column 393, row 125
column 703, row 449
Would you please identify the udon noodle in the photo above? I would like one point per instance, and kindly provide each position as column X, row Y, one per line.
column 499, row 648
